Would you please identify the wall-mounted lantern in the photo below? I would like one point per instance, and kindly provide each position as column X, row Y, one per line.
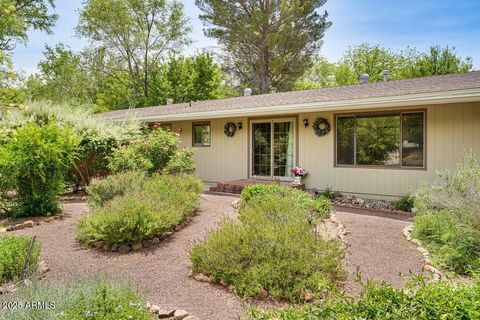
column 305, row 122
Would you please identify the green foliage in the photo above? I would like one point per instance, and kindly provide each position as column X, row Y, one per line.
column 97, row 136
column 37, row 160
column 103, row 190
column 448, row 217
column 405, row 203
column 327, row 193
column 421, row 300
column 78, row 299
column 161, row 203
column 18, row 17
column 373, row 59
column 269, row 56
column 256, row 192
column 157, row 152
column 272, row 247
column 14, row 255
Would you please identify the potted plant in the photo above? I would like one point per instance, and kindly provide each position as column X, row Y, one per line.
column 299, row 173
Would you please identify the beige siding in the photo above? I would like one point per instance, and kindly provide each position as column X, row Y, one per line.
column 226, row 158
column 450, row 129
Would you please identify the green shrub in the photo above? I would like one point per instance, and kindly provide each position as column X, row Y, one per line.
column 102, row 190
column 421, row 300
column 448, row 217
column 37, row 160
column 327, row 193
column 405, row 203
column 162, row 203
column 78, row 299
column 320, row 207
column 13, row 257
column 272, row 247
column 156, row 153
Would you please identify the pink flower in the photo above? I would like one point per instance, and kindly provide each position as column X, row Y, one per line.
column 299, row 172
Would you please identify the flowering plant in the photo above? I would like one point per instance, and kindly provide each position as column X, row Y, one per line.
column 299, row 172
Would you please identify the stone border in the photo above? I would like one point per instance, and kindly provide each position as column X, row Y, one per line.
column 82, row 198
column 341, row 230
column 101, row 246
column 427, row 263
column 171, row 314
column 391, row 214
column 31, row 223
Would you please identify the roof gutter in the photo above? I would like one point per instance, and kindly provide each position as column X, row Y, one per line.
column 456, row 96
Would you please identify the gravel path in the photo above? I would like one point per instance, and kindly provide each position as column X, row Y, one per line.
column 160, row 273
column 378, row 250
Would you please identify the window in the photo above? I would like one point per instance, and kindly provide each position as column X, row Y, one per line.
column 386, row 140
column 201, row 134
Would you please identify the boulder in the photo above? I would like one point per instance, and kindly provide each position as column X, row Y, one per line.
column 19, row 226
column 201, row 277
column 29, row 223
column 124, row 249
column 114, row 248
column 163, row 314
column 136, row 246
column 307, row 296
column 155, row 240
column 99, row 244
column 154, row 309
column 10, row 228
column 180, row 315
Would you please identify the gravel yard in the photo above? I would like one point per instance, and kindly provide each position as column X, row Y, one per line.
column 377, row 248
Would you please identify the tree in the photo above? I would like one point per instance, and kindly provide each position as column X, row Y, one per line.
column 19, row 16
column 135, row 35
column 373, row 59
column 267, row 43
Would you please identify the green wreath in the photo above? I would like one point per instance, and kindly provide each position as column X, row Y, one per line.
column 229, row 129
column 321, row 127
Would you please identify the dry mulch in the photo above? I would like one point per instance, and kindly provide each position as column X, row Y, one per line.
column 161, row 273
column 378, row 250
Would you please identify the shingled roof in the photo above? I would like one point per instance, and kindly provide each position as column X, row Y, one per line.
column 282, row 101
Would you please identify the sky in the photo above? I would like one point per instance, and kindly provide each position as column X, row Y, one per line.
column 391, row 24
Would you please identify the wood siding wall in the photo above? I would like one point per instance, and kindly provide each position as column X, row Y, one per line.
column 450, row 128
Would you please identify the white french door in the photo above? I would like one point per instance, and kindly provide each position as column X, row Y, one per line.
column 272, row 148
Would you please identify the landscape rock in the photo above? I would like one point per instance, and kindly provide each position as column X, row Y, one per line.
column 263, row 294
column 19, row 226
column 43, row 268
column 230, row 288
column 136, row 246
column 155, row 240
column 180, row 315
column 3, row 230
column 114, row 248
column 155, row 309
column 10, row 228
column 147, row 243
column 124, row 249
column 49, row 219
column 29, row 223
column 99, row 244
column 307, row 296
column 163, row 314
column 201, row 277
column 106, row 247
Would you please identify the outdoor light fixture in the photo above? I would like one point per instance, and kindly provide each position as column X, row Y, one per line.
column 305, row 122
column 239, row 125
column 309, row 219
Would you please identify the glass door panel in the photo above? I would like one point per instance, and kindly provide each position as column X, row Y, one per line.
column 283, row 152
column 262, row 149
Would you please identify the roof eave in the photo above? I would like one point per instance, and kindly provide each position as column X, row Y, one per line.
column 454, row 96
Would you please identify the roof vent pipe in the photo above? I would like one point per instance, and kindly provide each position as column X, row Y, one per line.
column 247, row 92
column 385, row 74
column 363, row 78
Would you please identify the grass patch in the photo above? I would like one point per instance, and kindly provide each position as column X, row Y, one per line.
column 96, row 299
column 420, row 300
column 162, row 203
column 272, row 249
column 13, row 256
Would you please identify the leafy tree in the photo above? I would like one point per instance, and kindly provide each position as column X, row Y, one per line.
column 18, row 16
column 135, row 35
column 268, row 43
column 373, row 59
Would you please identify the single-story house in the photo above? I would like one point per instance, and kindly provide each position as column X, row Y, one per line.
column 372, row 139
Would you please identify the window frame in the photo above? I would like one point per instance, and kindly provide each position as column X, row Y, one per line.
column 201, row 145
column 399, row 113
